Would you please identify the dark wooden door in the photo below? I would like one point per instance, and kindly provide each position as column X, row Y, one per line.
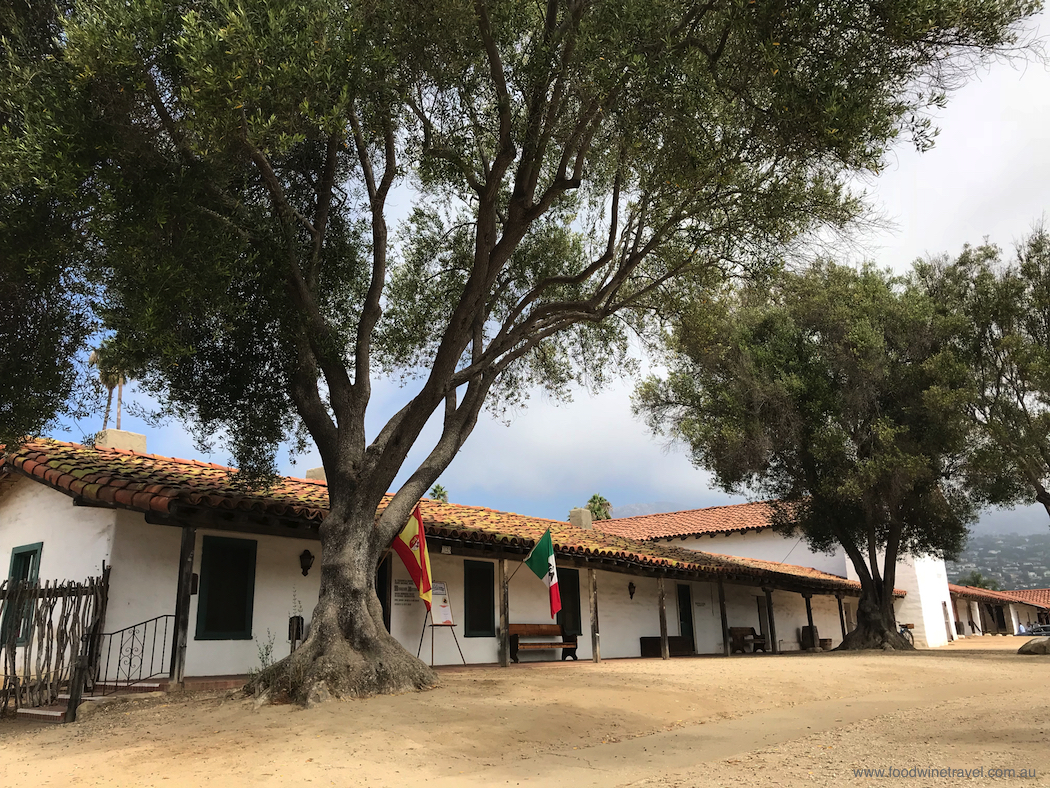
column 383, row 584
column 685, row 616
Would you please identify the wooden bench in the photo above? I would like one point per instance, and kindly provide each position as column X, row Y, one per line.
column 742, row 637
column 567, row 644
column 677, row 646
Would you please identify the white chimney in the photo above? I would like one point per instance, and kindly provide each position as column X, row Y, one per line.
column 581, row 518
column 121, row 439
column 318, row 474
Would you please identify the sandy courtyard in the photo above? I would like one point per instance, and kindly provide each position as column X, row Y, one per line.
column 791, row 720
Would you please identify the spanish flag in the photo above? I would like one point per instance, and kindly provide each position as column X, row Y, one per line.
column 411, row 545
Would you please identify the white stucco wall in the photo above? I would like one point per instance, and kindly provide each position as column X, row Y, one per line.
column 76, row 539
column 925, row 579
column 767, row 545
column 1012, row 619
column 622, row 620
column 144, row 581
column 975, row 614
column 278, row 579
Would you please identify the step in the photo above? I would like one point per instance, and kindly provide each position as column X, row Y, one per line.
column 124, row 686
column 52, row 714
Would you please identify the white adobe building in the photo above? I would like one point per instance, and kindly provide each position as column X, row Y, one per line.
column 982, row 611
column 220, row 572
column 744, row 530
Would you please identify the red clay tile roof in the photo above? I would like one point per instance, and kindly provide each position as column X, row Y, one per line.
column 692, row 522
column 151, row 483
column 1037, row 596
column 988, row 595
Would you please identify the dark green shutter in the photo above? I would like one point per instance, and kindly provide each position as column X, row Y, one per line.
column 479, row 599
column 227, row 589
column 24, row 568
column 569, row 589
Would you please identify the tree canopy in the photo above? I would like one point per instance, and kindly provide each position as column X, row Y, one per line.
column 1005, row 338
column 838, row 394
column 975, row 579
column 226, row 171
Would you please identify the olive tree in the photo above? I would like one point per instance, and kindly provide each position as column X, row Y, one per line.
column 571, row 166
column 841, row 395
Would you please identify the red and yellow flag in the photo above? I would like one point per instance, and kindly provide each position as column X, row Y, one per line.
column 411, row 545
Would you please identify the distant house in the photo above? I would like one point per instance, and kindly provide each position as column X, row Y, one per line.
column 745, row 530
column 229, row 571
column 982, row 611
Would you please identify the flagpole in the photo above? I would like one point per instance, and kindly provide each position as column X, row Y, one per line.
column 520, row 565
column 526, row 558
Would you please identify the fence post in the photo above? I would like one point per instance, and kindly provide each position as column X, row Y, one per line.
column 76, row 682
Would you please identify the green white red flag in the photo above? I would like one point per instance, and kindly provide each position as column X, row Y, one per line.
column 541, row 562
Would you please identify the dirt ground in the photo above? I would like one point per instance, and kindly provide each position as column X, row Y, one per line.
column 790, row 720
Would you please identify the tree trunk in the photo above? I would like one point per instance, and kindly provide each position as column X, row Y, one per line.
column 1042, row 496
column 876, row 629
column 876, row 622
column 348, row 652
column 109, row 404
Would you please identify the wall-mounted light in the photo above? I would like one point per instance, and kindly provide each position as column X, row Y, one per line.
column 631, row 589
column 306, row 560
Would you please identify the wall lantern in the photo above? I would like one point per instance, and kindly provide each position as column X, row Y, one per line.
column 631, row 589
column 306, row 560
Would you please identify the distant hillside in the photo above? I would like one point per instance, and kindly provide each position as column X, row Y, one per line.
column 638, row 509
column 1016, row 561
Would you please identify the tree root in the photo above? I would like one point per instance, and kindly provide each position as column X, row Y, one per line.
column 874, row 638
column 312, row 675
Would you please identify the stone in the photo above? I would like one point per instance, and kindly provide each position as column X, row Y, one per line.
column 318, row 695
column 1036, row 646
column 261, row 699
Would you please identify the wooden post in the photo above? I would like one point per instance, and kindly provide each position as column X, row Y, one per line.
column 596, row 645
column 665, row 651
column 773, row 644
column 78, row 677
column 809, row 618
column 177, row 674
column 504, row 614
column 725, row 620
column 842, row 616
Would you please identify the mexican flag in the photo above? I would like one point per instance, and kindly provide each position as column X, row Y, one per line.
column 541, row 562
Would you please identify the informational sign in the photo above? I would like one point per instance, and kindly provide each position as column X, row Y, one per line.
column 405, row 593
column 440, row 606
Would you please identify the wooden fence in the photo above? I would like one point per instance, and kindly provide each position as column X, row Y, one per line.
column 42, row 629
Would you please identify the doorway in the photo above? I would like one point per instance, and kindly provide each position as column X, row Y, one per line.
column 685, row 616
column 763, row 617
column 383, row 589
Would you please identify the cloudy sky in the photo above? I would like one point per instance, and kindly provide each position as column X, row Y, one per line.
column 988, row 176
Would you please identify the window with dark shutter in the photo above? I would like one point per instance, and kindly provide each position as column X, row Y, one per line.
column 25, row 568
column 479, row 600
column 569, row 589
column 227, row 589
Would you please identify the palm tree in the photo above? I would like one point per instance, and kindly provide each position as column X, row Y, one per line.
column 976, row 580
column 439, row 493
column 110, row 376
column 600, row 508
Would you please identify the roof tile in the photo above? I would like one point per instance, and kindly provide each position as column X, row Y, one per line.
column 147, row 482
column 1038, row 596
column 692, row 522
column 988, row 595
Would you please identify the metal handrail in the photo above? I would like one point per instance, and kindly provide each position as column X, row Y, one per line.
column 131, row 655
